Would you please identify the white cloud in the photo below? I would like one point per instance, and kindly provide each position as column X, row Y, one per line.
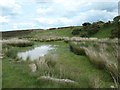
column 64, row 20
column 88, row 16
column 9, row 3
column 72, row 5
column 4, row 19
column 69, row 5
column 76, row 12
column 10, row 6
column 93, row 16
column 55, row 13
column 54, row 21
column 43, row 10
column 71, row 1
column 15, row 27
column 47, row 21
column 66, row 8
column 19, row 25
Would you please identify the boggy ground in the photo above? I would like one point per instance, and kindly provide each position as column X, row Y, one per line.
column 62, row 66
column 60, row 63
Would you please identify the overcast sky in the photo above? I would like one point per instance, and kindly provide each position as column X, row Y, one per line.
column 28, row 14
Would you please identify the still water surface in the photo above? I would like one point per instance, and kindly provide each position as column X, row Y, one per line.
column 36, row 52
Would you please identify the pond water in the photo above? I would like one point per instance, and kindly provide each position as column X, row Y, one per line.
column 36, row 52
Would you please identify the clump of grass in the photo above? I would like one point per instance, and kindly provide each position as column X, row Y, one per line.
column 77, row 49
column 41, row 65
column 12, row 53
column 94, row 82
column 51, row 60
column 113, row 68
column 17, row 42
column 103, row 53
column 59, row 82
column 104, row 56
column 96, row 59
column 47, row 39
column 46, row 65
column 28, row 59
column 22, row 44
column 18, row 59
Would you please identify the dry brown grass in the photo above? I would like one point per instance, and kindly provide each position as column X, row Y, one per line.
column 17, row 42
column 102, row 52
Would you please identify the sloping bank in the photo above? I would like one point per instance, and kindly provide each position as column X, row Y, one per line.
column 102, row 52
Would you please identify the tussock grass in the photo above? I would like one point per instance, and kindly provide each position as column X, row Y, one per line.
column 103, row 57
column 47, row 39
column 46, row 65
column 94, row 82
column 103, row 53
column 77, row 49
column 17, row 42
column 65, row 65
column 63, row 82
column 51, row 60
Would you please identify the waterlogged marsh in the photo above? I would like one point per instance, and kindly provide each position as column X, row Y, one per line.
column 36, row 52
column 74, row 63
column 68, row 66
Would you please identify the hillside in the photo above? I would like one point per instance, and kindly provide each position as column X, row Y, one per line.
column 104, row 32
column 97, row 29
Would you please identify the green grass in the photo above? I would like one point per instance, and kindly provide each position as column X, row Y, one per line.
column 100, row 54
column 76, row 67
column 77, row 49
column 104, row 32
column 47, row 33
column 16, row 75
column 68, row 65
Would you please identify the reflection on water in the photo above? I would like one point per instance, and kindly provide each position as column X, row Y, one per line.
column 35, row 53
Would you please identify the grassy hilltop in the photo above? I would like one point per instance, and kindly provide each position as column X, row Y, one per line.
column 98, row 29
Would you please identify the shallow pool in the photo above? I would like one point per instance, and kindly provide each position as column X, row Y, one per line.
column 36, row 52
